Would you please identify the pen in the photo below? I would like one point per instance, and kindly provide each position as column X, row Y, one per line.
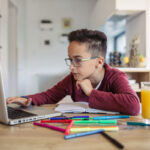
column 110, row 117
column 96, row 121
column 49, row 126
column 55, row 121
column 138, row 123
column 69, row 127
column 82, row 134
column 114, row 141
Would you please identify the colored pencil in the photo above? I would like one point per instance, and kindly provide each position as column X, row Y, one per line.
column 69, row 127
column 111, row 117
column 84, row 129
column 49, row 126
column 55, row 121
column 82, row 134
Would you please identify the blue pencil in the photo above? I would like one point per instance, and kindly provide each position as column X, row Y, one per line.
column 58, row 118
column 110, row 117
column 80, row 117
column 74, row 117
column 82, row 134
column 138, row 123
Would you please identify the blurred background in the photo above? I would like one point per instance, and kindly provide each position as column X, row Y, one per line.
column 33, row 39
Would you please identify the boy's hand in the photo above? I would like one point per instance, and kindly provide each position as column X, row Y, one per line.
column 85, row 85
column 19, row 100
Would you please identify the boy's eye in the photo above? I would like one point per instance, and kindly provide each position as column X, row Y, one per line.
column 77, row 60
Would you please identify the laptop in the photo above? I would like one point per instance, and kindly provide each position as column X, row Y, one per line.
column 13, row 114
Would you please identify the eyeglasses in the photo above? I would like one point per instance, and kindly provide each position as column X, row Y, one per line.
column 77, row 62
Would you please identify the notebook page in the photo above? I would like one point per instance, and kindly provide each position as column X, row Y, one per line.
column 75, row 107
column 80, row 107
column 91, row 110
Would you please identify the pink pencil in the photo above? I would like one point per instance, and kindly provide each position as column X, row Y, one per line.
column 49, row 126
column 68, row 128
column 55, row 121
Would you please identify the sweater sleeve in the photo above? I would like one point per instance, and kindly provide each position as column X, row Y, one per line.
column 53, row 95
column 122, row 98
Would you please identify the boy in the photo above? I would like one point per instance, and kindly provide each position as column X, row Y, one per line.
column 91, row 80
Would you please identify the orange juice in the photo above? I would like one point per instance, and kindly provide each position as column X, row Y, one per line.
column 145, row 99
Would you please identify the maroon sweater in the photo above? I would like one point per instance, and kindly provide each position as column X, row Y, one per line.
column 114, row 93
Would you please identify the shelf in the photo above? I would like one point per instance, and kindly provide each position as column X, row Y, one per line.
column 134, row 69
column 137, row 90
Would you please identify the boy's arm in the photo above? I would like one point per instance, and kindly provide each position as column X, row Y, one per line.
column 54, row 94
column 122, row 98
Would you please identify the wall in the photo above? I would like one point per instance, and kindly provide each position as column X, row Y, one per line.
column 126, row 5
column 106, row 8
column 136, row 26
column 148, row 32
column 37, row 61
column 21, row 46
column 103, row 9
column 4, row 43
column 112, row 28
column 139, row 25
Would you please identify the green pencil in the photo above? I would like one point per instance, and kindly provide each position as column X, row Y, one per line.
column 96, row 121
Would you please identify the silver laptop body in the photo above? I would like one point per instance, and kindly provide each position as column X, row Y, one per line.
column 40, row 112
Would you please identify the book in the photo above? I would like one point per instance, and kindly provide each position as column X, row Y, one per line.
column 80, row 107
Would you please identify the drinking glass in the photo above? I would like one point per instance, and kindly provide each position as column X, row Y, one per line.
column 145, row 99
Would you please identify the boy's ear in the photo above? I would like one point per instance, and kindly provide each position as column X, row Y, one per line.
column 101, row 60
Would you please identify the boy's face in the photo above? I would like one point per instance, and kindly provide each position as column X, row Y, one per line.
column 77, row 50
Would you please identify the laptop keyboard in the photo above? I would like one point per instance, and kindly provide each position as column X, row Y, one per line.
column 17, row 114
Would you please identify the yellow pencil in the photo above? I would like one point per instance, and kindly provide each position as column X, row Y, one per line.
column 84, row 129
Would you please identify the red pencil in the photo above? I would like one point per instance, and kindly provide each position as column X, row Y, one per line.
column 69, row 127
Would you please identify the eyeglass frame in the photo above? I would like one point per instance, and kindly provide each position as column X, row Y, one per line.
column 81, row 60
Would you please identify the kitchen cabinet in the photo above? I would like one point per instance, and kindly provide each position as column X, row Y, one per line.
column 138, row 74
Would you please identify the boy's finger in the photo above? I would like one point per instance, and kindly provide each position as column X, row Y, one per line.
column 28, row 102
column 13, row 99
column 20, row 101
column 77, row 85
column 10, row 98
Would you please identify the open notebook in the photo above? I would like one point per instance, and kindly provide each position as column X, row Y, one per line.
column 80, row 107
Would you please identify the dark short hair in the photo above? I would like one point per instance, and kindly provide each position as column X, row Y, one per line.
column 96, row 40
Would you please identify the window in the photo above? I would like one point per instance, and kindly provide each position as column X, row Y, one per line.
column 120, row 43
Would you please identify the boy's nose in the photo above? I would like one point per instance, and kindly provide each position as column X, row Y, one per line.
column 71, row 67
